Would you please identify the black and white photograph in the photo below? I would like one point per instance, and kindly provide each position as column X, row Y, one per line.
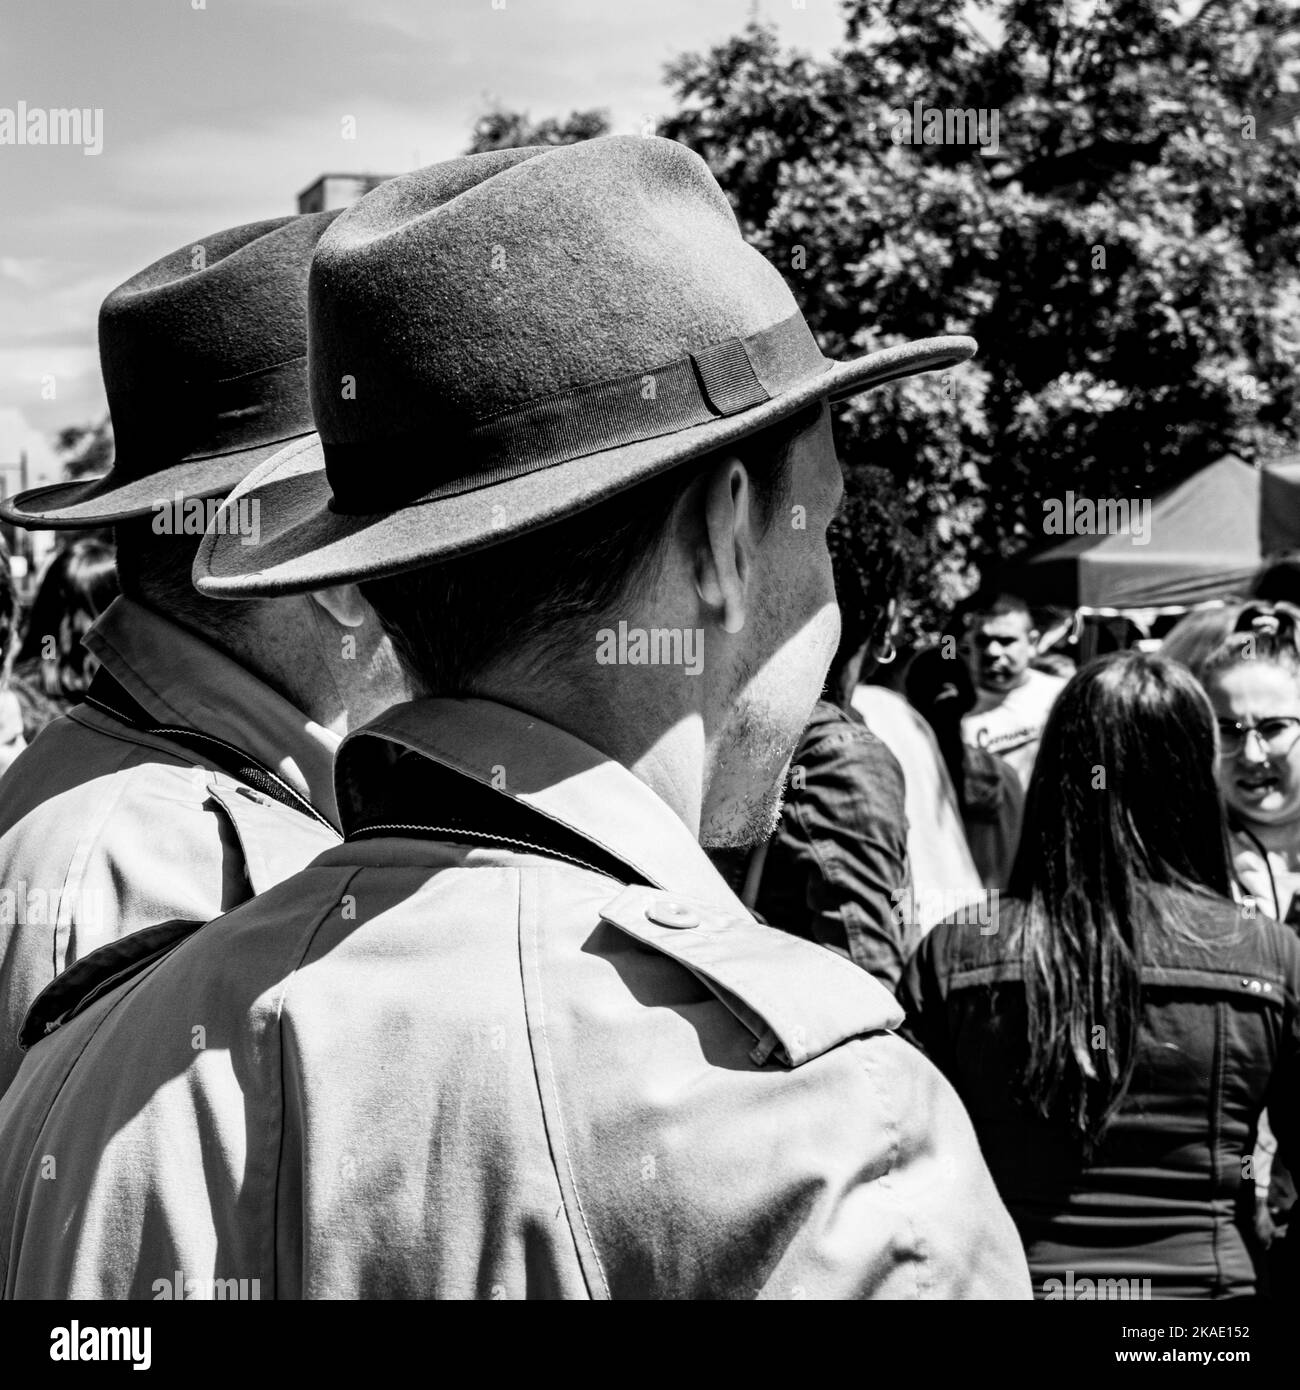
column 650, row 651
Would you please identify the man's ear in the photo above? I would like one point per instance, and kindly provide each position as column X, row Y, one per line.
column 724, row 553
column 343, row 603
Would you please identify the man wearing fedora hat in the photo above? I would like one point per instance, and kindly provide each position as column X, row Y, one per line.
column 198, row 770
column 515, row 1037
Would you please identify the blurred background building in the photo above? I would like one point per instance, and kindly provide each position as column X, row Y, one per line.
column 338, row 191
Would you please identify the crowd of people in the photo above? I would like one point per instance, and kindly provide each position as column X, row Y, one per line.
column 369, row 935
column 1117, row 1006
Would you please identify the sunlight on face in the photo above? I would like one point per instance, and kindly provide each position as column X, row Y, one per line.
column 794, row 634
column 1260, row 783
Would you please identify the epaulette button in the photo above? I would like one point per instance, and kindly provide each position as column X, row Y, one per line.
column 671, row 914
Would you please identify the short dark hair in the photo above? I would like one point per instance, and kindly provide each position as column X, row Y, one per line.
column 998, row 606
column 982, row 605
column 155, row 569
column 449, row 622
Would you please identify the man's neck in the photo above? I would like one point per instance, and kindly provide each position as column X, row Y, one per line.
column 988, row 693
column 630, row 726
column 297, row 650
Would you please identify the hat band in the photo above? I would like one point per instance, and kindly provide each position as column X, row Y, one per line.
column 194, row 420
column 724, row 379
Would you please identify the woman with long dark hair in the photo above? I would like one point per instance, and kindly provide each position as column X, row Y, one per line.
column 54, row 668
column 1117, row 1024
column 12, row 734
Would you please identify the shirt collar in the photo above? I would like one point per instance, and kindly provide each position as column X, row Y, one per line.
column 545, row 768
column 180, row 679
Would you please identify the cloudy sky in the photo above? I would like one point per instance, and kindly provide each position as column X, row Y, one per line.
column 217, row 112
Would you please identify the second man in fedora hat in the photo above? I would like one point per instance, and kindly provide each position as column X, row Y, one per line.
column 516, row 1038
column 198, row 770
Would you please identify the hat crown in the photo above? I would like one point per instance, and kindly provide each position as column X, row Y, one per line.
column 463, row 291
column 203, row 352
column 501, row 341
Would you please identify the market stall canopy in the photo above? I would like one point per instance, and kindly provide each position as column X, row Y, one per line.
column 1202, row 540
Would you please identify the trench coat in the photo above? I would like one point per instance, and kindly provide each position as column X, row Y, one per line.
column 106, row 829
column 515, row 1038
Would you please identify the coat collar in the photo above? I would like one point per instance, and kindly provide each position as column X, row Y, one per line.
column 179, row 679
column 545, row 768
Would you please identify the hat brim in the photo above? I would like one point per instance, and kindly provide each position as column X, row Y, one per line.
column 297, row 543
column 112, row 498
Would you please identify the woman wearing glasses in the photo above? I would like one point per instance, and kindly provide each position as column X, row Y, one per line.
column 1247, row 657
column 1116, row 1024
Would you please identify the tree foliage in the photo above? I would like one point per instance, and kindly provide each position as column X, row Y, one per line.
column 1127, row 252
column 87, row 450
column 501, row 129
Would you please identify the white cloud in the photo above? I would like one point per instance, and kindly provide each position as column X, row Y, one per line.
column 223, row 116
column 29, row 368
column 32, row 272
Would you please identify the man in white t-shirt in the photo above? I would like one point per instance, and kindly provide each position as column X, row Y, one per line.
column 1012, row 699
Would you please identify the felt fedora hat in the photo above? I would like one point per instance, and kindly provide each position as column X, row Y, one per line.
column 503, row 340
column 204, row 358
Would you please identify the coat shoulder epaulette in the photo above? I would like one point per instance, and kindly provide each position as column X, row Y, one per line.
column 797, row 999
